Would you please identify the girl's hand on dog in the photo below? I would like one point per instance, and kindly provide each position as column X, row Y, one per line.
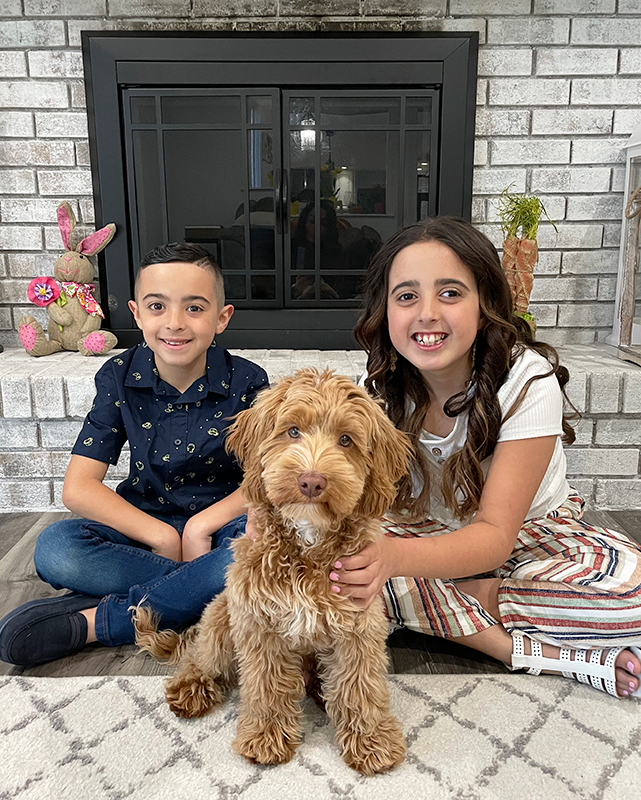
column 361, row 577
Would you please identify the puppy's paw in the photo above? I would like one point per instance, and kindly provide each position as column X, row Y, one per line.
column 377, row 751
column 190, row 696
column 269, row 742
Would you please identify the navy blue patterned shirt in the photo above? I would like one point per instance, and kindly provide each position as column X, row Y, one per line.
column 178, row 461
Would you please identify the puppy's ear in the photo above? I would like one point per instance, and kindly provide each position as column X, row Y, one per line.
column 250, row 429
column 391, row 450
column 242, row 434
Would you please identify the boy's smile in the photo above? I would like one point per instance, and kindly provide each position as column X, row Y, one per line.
column 177, row 311
column 433, row 311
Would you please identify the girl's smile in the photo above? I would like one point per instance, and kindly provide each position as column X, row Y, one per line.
column 433, row 311
column 429, row 341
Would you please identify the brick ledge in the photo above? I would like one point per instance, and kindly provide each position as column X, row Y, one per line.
column 44, row 401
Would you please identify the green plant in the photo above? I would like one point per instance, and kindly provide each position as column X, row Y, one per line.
column 521, row 214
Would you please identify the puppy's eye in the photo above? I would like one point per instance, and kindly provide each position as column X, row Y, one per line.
column 345, row 440
column 293, row 433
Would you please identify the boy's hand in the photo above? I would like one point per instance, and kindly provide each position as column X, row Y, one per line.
column 196, row 539
column 201, row 527
column 167, row 543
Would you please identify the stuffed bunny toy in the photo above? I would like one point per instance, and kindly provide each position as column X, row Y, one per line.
column 74, row 315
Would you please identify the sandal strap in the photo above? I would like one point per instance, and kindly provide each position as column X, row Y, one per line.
column 520, row 660
column 518, row 651
column 601, row 676
column 537, row 653
column 580, row 676
column 566, row 655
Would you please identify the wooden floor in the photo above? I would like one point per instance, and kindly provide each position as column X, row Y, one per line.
column 409, row 652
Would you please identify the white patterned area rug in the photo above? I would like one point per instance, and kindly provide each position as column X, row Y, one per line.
column 470, row 737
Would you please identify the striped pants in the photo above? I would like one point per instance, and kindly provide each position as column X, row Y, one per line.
column 565, row 583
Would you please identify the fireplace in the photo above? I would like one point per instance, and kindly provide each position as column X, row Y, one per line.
column 290, row 157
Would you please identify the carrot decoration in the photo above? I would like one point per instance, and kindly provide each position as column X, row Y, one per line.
column 520, row 217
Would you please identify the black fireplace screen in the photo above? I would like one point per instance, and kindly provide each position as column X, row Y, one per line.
column 291, row 185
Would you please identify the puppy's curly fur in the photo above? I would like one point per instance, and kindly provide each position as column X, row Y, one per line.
column 321, row 462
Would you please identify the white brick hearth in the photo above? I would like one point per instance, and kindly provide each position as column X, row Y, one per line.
column 45, row 400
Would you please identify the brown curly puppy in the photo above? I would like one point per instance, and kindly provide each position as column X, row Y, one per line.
column 321, row 462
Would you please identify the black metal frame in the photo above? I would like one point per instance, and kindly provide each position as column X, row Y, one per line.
column 113, row 60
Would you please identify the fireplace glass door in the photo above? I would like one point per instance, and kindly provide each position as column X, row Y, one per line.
column 292, row 192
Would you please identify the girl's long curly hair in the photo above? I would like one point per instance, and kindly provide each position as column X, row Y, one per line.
column 503, row 337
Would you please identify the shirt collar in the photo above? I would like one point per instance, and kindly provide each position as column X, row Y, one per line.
column 142, row 368
column 142, row 373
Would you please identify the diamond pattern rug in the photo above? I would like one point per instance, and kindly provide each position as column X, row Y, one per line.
column 470, row 737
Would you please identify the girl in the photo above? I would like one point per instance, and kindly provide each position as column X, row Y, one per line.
column 504, row 563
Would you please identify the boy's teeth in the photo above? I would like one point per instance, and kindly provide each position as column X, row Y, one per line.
column 429, row 338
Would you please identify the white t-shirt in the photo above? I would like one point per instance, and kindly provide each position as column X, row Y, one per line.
column 540, row 414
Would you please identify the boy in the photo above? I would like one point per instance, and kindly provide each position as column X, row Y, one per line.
column 158, row 537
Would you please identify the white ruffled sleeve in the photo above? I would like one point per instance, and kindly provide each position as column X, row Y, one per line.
column 541, row 410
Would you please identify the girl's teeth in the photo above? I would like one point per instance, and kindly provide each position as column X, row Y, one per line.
column 430, row 339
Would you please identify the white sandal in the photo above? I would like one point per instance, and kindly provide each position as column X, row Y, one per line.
column 601, row 676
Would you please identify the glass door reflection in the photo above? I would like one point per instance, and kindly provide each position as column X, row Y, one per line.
column 292, row 192
column 203, row 166
column 357, row 169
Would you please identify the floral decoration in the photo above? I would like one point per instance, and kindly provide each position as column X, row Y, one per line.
column 42, row 291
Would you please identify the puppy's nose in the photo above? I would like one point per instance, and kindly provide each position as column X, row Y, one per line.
column 311, row 484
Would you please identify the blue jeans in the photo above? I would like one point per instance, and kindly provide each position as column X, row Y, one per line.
column 96, row 560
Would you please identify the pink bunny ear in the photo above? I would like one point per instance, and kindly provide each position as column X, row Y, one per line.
column 66, row 222
column 97, row 241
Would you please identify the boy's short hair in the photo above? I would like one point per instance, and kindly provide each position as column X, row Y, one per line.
column 185, row 253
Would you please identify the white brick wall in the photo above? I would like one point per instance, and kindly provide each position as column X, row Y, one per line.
column 598, row 261
column 55, row 64
column 571, row 121
column 559, row 93
column 577, row 61
column 617, row 494
column 43, row 402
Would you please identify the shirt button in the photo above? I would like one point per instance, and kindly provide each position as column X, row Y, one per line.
column 177, row 442
column 192, row 506
column 437, row 451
